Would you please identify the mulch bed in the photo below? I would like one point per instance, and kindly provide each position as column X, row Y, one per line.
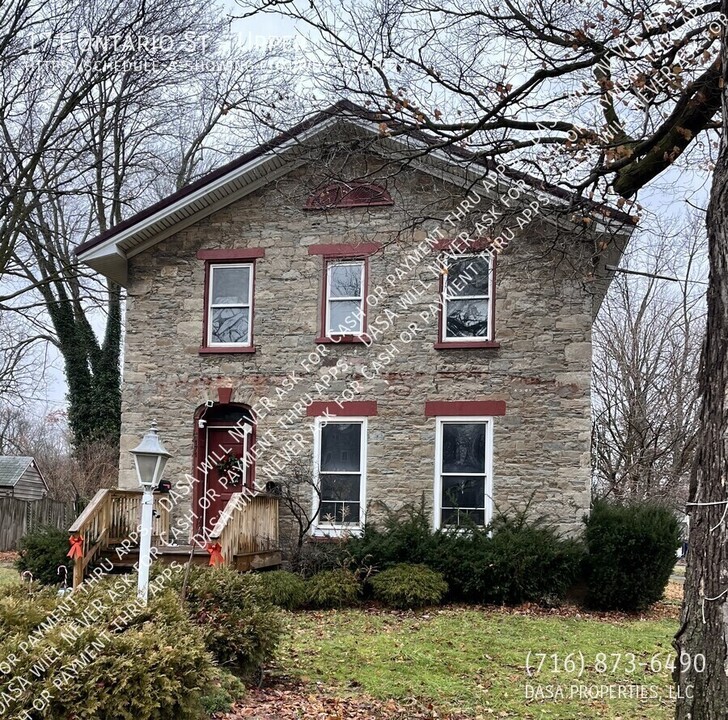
column 7, row 558
column 290, row 700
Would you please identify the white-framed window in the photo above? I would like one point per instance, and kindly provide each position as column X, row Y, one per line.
column 340, row 460
column 466, row 298
column 230, row 304
column 463, row 471
column 344, row 293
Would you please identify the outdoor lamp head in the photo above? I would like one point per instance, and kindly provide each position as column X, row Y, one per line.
column 150, row 457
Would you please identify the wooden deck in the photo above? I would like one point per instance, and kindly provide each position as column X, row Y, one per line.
column 200, row 556
column 246, row 535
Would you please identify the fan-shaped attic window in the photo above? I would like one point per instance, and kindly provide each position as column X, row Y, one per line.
column 348, row 195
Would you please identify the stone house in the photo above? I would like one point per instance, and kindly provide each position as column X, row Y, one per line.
column 341, row 313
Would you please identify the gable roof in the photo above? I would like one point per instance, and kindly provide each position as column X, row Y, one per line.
column 108, row 252
column 12, row 468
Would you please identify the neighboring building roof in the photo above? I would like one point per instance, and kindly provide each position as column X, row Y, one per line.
column 108, row 252
column 12, row 469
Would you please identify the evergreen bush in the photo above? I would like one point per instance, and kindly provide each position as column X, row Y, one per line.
column 513, row 560
column 103, row 656
column 631, row 554
column 41, row 552
column 283, row 589
column 225, row 690
column 404, row 537
column 240, row 626
column 409, row 586
column 332, row 589
column 525, row 561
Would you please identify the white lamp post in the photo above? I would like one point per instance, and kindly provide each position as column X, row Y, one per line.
column 150, row 457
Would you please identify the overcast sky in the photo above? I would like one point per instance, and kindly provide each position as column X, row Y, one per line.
column 672, row 196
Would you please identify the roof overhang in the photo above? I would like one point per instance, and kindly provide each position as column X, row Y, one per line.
column 110, row 256
column 110, row 252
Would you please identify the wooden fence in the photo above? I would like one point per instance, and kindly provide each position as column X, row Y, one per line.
column 18, row 517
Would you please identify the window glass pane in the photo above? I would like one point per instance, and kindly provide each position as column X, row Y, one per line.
column 229, row 325
column 340, row 487
column 467, row 276
column 454, row 517
column 463, row 491
column 339, row 513
column 350, row 512
column 345, row 280
column 345, row 317
column 463, row 448
column 230, row 285
column 341, row 447
column 467, row 318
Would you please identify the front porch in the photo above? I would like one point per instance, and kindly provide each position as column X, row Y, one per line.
column 245, row 536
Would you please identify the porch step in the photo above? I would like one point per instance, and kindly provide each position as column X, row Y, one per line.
column 200, row 556
column 247, row 532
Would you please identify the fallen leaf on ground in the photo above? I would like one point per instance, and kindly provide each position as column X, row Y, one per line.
column 289, row 700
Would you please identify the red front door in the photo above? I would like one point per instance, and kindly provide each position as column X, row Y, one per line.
column 224, row 473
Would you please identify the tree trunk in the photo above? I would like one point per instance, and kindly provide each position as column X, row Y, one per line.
column 701, row 670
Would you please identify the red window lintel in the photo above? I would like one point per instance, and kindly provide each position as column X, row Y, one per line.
column 463, row 408
column 355, row 408
column 334, row 250
column 231, row 254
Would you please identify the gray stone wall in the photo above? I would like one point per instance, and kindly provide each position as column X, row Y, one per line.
column 541, row 369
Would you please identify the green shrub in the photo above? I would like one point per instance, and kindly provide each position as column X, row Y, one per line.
column 405, row 537
column 332, row 589
column 41, row 552
column 631, row 554
column 409, row 586
column 240, row 626
column 109, row 658
column 512, row 561
column 317, row 555
column 21, row 610
column 283, row 589
column 525, row 562
column 460, row 557
column 225, row 690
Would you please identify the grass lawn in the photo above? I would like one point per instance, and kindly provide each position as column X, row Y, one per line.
column 8, row 574
column 472, row 662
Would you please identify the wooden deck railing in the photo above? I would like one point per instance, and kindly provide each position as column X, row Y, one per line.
column 110, row 518
column 247, row 526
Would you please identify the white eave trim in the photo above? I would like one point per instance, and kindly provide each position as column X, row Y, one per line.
column 200, row 195
column 110, row 257
column 470, row 171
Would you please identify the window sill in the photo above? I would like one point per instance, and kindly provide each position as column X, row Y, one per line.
column 466, row 345
column 204, row 350
column 334, row 534
column 341, row 340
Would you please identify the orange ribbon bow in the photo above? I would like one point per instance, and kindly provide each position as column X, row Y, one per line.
column 76, row 550
column 216, row 557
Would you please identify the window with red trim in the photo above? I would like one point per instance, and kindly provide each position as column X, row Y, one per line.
column 344, row 293
column 229, row 305
column 227, row 325
column 466, row 300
